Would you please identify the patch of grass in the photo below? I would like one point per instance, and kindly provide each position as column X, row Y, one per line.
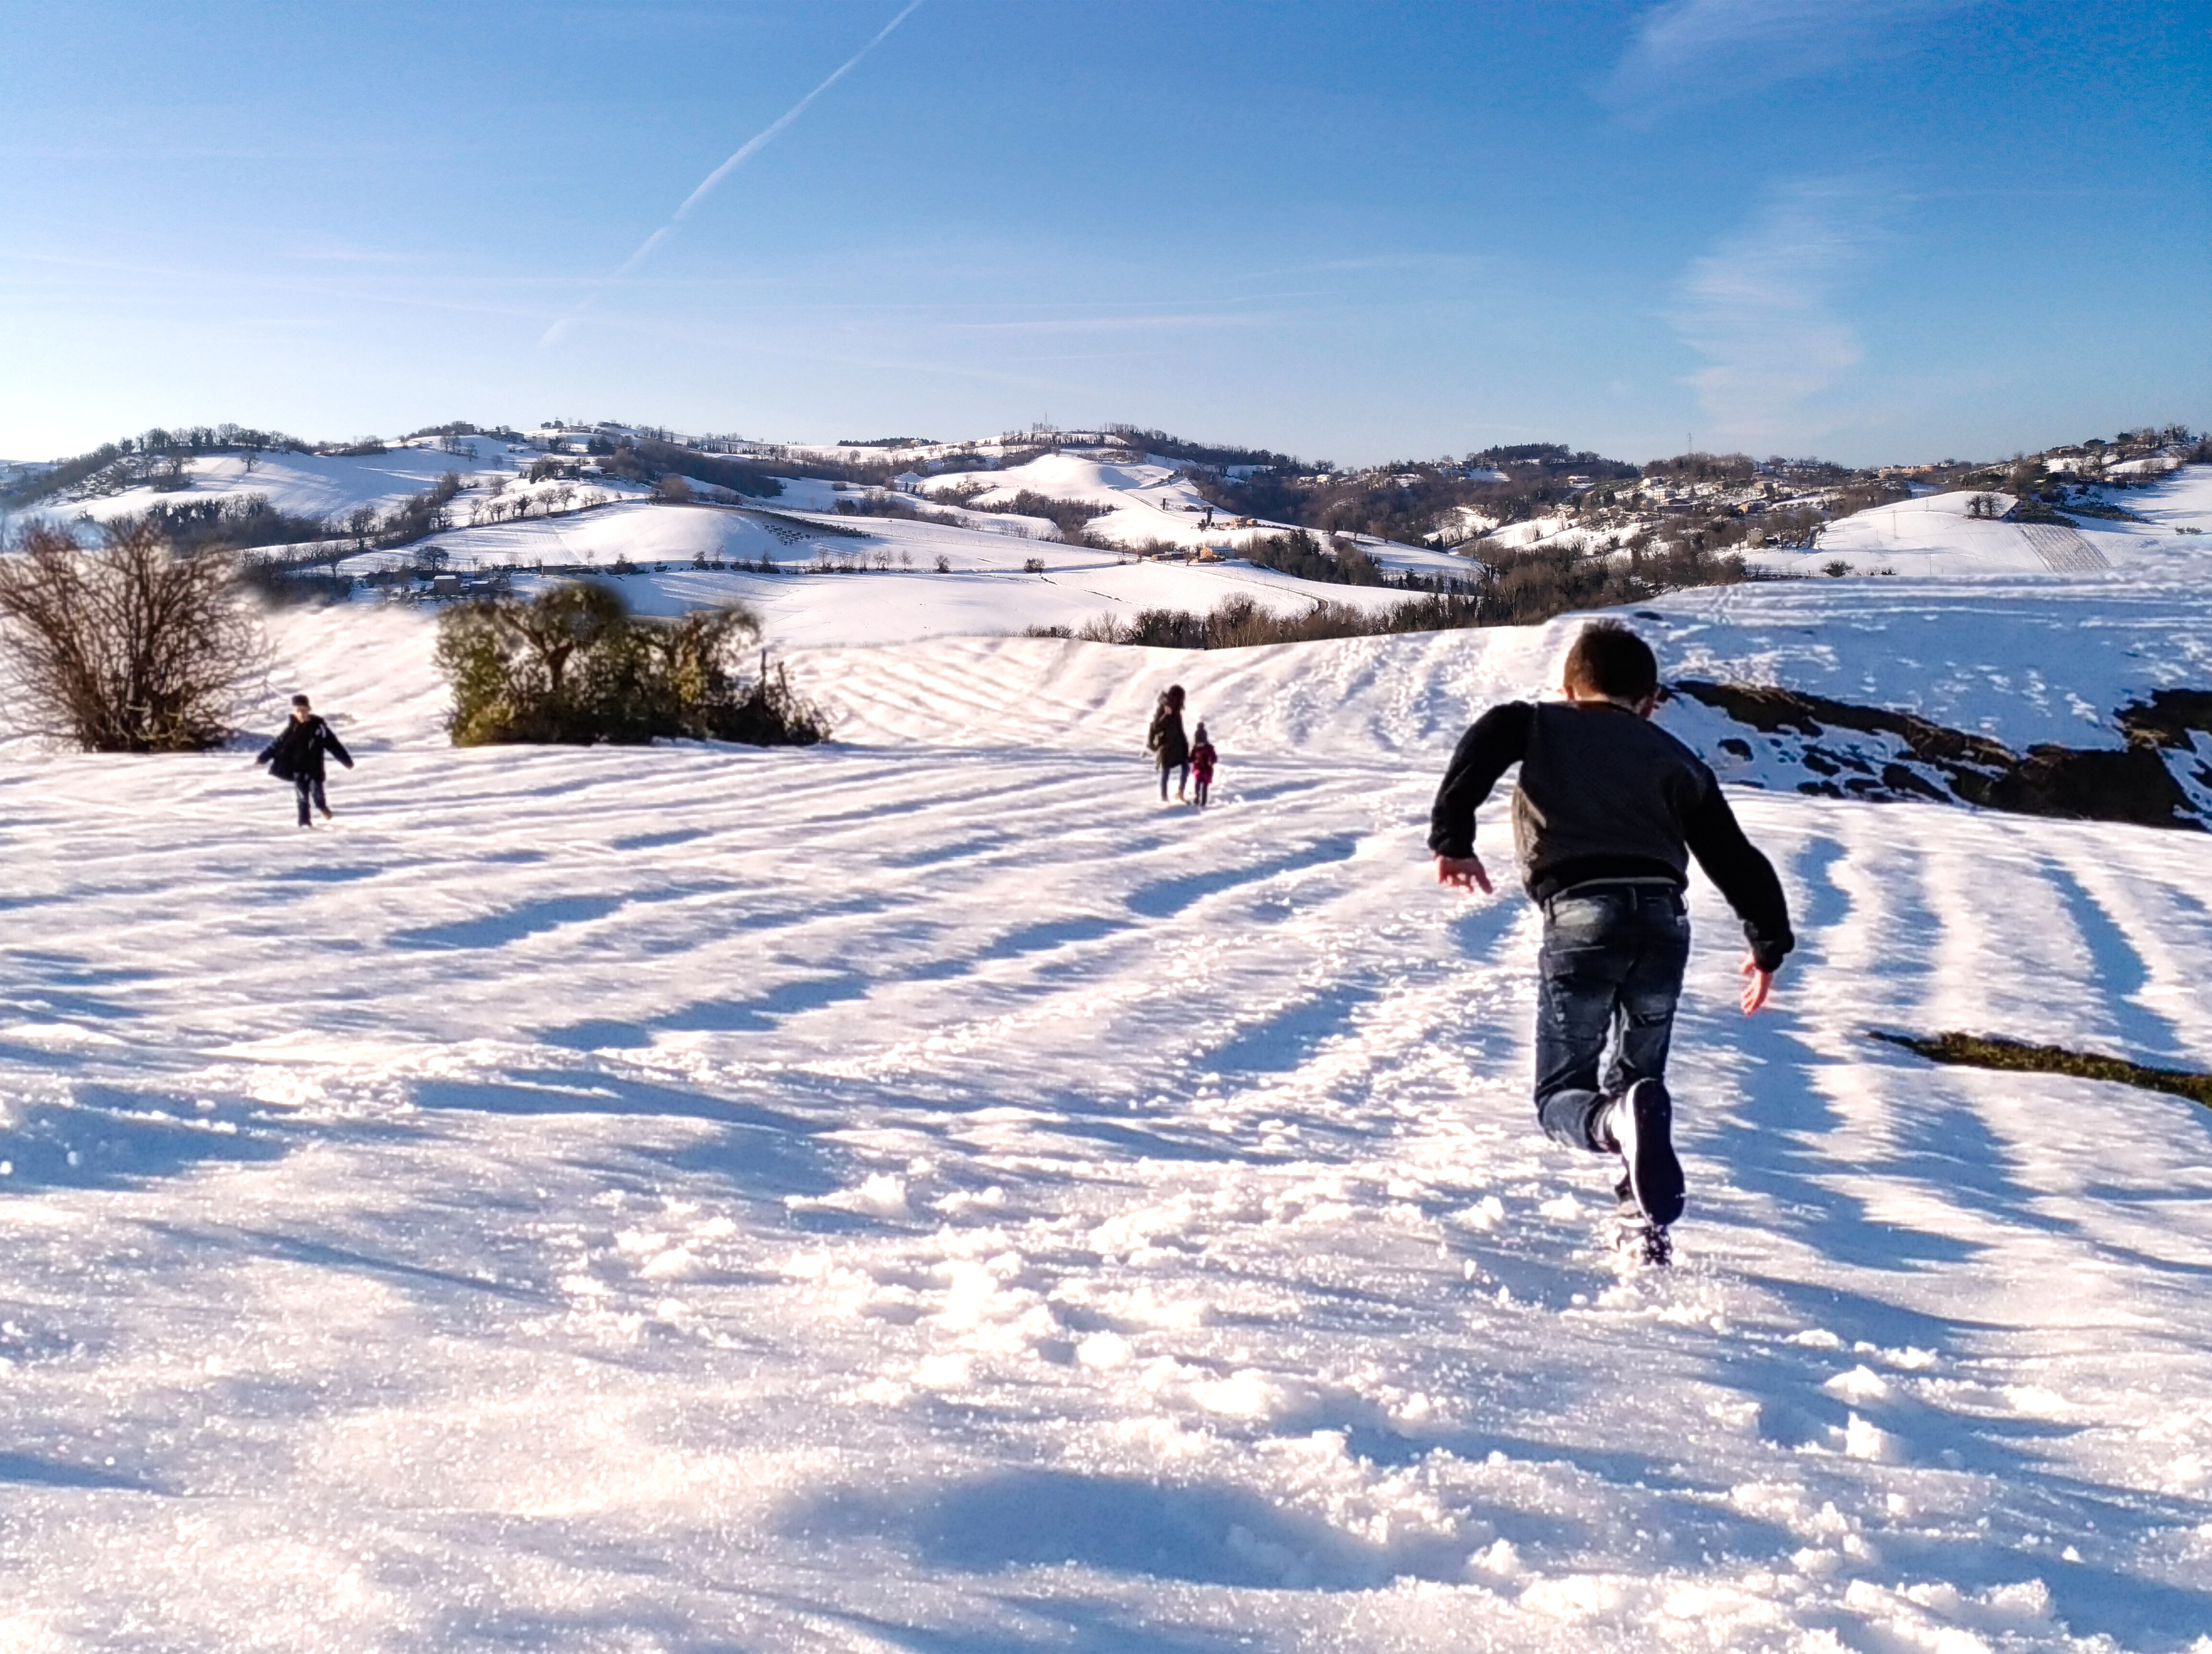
column 1975, row 1051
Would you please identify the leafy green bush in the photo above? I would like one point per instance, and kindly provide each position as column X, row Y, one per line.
column 573, row 666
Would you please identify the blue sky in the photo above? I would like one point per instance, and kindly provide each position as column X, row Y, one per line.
column 1886, row 230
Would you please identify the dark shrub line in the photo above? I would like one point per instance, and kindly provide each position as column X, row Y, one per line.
column 1070, row 517
column 1522, row 588
column 1981, row 1051
column 1300, row 555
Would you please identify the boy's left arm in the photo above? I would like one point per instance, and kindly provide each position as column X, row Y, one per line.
column 1747, row 880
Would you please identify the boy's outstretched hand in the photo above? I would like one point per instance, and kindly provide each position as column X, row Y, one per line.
column 1462, row 873
column 1756, row 986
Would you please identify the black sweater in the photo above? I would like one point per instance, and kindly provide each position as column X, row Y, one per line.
column 1604, row 794
column 296, row 754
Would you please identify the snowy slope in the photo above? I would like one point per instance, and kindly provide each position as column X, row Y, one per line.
column 1152, row 503
column 917, row 1194
column 1933, row 536
column 312, row 485
column 881, row 586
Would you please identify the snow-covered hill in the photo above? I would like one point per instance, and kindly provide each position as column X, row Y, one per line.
column 1155, row 503
column 867, row 581
column 503, row 520
column 314, row 485
column 920, row 1193
column 1937, row 534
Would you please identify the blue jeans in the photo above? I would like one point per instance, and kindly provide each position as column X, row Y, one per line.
column 1611, row 970
column 310, row 788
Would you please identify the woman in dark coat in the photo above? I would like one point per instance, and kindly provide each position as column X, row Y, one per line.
column 296, row 755
column 1169, row 745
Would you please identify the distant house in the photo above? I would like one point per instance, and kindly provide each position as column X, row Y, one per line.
column 906, row 482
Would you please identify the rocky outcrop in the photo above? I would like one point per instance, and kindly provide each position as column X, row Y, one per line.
column 1874, row 753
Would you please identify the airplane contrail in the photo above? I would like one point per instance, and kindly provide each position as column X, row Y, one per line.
column 752, row 147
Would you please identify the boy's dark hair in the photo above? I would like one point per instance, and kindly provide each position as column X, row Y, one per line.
column 1609, row 660
column 299, row 700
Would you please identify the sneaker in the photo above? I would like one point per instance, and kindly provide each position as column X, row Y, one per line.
column 1637, row 1239
column 1641, row 1125
column 1645, row 1243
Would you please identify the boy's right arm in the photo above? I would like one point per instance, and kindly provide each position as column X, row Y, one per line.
column 1498, row 739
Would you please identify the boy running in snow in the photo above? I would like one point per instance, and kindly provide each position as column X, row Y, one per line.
column 296, row 755
column 1202, row 766
column 1609, row 811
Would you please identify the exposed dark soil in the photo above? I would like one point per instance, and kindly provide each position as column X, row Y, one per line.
column 1977, row 1051
column 2130, row 784
column 2167, row 718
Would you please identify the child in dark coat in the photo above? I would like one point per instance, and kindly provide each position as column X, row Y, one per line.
column 296, row 755
column 1202, row 757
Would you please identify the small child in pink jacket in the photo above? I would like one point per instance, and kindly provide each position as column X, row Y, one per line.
column 1201, row 765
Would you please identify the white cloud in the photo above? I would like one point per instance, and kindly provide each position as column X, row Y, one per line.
column 1761, row 308
column 1695, row 51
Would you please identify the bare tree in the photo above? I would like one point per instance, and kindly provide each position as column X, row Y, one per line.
column 132, row 648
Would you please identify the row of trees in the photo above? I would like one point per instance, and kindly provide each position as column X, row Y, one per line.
column 1522, row 588
column 1416, row 500
column 1300, row 555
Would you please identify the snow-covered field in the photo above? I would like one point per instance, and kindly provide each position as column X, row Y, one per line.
column 1153, row 503
column 316, row 485
column 1934, row 535
column 889, row 589
column 920, row 1194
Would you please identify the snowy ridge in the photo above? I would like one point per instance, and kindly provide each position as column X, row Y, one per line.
column 314, row 485
column 919, row 1193
column 890, row 591
column 1934, row 535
